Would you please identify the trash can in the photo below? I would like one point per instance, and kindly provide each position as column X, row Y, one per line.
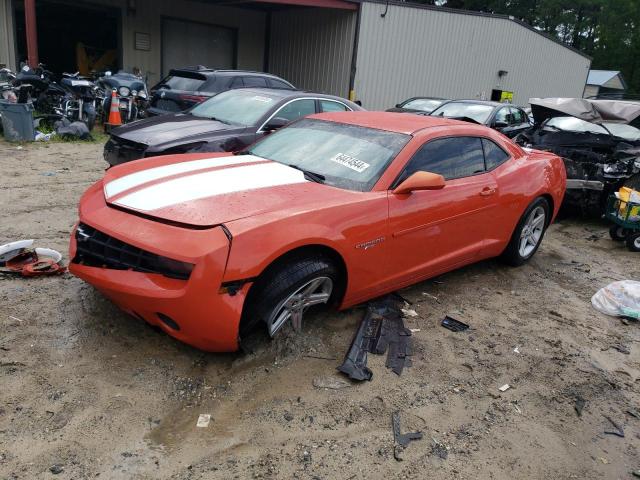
column 17, row 121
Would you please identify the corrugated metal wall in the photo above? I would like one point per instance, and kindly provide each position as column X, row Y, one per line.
column 7, row 35
column 312, row 48
column 415, row 51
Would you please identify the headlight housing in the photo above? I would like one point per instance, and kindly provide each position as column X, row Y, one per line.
column 124, row 91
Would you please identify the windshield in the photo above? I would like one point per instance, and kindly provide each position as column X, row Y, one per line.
column 347, row 156
column 236, row 107
column 620, row 130
column 423, row 104
column 478, row 112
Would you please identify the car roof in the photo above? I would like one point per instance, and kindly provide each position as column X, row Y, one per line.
column 281, row 93
column 223, row 72
column 489, row 103
column 389, row 121
column 426, row 98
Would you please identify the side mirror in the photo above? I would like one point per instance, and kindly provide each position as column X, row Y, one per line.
column 398, row 105
column 275, row 123
column 420, row 181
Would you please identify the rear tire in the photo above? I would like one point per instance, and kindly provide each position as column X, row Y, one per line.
column 285, row 293
column 617, row 233
column 528, row 234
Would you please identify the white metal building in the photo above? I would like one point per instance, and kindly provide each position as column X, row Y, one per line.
column 376, row 51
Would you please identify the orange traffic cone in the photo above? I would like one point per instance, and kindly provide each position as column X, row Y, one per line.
column 114, row 113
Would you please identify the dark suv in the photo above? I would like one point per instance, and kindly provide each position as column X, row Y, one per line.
column 185, row 87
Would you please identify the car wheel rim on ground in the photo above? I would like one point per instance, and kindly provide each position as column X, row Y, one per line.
column 532, row 232
column 315, row 291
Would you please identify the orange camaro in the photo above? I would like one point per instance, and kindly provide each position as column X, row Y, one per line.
column 336, row 208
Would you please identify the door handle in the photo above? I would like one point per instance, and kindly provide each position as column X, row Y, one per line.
column 486, row 191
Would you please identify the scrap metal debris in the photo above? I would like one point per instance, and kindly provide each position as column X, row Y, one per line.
column 504, row 387
column 454, row 325
column 619, row 432
column 401, row 440
column 381, row 330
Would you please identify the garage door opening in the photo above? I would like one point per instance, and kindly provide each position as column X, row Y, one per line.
column 73, row 38
column 186, row 43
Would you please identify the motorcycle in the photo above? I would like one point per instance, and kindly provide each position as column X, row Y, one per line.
column 72, row 98
column 131, row 91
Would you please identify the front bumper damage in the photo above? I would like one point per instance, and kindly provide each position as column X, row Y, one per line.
column 194, row 309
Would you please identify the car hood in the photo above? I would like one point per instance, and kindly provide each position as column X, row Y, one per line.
column 204, row 190
column 171, row 128
column 594, row 111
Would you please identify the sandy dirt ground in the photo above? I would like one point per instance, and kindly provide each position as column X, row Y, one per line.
column 88, row 392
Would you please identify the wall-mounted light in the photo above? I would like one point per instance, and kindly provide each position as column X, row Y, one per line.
column 502, row 73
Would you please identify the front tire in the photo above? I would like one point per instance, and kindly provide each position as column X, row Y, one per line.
column 528, row 234
column 284, row 294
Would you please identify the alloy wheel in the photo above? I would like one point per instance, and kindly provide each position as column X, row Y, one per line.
column 315, row 291
column 532, row 231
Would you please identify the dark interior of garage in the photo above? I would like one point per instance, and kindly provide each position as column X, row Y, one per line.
column 90, row 40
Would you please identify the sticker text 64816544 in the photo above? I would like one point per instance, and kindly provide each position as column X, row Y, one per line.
column 350, row 162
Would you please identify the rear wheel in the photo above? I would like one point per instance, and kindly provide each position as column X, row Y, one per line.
column 289, row 290
column 633, row 241
column 528, row 233
column 617, row 233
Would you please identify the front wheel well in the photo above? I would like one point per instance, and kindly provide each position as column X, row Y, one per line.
column 306, row 251
column 549, row 200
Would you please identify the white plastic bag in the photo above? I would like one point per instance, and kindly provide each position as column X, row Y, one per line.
column 619, row 299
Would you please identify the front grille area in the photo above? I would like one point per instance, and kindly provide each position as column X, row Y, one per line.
column 97, row 249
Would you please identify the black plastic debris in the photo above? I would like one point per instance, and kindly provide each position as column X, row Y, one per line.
column 454, row 325
column 381, row 330
column 618, row 432
column 401, row 440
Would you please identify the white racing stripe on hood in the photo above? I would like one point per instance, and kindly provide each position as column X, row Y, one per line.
column 133, row 180
column 209, row 184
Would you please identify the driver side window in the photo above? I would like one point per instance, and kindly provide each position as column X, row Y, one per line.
column 453, row 157
column 502, row 116
column 297, row 109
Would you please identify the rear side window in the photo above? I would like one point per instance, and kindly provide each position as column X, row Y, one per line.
column 454, row 157
column 175, row 82
column 297, row 109
column 493, row 154
column 236, row 83
column 330, row 106
column 254, row 82
column 273, row 83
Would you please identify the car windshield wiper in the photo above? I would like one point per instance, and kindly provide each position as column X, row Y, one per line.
column 309, row 175
column 218, row 120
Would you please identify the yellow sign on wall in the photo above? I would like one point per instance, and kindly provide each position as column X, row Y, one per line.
column 506, row 96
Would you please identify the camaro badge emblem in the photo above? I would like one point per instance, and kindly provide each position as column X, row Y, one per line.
column 370, row 243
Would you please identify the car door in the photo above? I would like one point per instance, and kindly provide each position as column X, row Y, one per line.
column 433, row 231
column 520, row 122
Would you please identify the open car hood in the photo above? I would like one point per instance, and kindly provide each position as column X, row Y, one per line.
column 594, row 111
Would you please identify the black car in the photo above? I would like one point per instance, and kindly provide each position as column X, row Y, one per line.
column 504, row 118
column 225, row 123
column 419, row 105
column 186, row 87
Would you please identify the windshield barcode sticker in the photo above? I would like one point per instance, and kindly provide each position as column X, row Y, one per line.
column 350, row 162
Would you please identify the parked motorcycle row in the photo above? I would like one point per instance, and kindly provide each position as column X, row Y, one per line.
column 75, row 97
